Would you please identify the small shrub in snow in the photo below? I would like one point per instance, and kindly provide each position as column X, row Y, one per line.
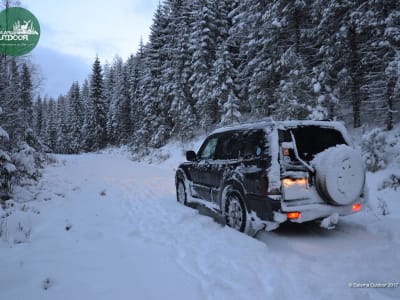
column 103, row 193
column 16, row 223
column 47, row 283
column 159, row 156
column 138, row 154
column 7, row 169
column 373, row 146
column 383, row 207
column 393, row 149
column 68, row 227
column 392, row 182
column 26, row 161
column 25, row 231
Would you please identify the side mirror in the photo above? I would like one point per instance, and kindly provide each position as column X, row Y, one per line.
column 191, row 155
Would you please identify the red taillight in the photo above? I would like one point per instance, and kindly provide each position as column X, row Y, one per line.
column 356, row 207
column 286, row 152
column 293, row 215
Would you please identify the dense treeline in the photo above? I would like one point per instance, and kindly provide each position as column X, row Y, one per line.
column 218, row 62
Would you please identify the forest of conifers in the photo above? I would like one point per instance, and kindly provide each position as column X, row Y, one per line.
column 210, row 63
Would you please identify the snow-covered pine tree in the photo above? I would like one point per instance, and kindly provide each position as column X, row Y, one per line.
column 109, row 83
column 153, row 130
column 381, row 20
column 63, row 142
column 38, row 114
column 12, row 106
column 85, row 94
column 224, row 75
column 43, row 127
column 7, row 168
column 97, row 117
column 89, row 128
column 203, row 42
column 181, row 112
column 51, row 125
column 75, row 119
column 294, row 91
column 251, row 26
column 135, row 65
column 26, row 97
column 119, row 122
column 326, row 60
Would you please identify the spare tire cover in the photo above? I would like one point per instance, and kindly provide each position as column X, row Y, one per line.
column 340, row 174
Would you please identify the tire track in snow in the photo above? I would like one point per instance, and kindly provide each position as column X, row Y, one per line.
column 227, row 264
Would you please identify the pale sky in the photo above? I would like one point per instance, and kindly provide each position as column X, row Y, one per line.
column 73, row 32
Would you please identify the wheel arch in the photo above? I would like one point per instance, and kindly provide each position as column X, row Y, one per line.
column 232, row 186
column 181, row 174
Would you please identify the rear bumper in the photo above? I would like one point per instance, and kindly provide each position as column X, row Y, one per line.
column 269, row 210
column 318, row 211
column 315, row 211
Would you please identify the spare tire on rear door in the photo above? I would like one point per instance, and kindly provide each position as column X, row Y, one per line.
column 340, row 174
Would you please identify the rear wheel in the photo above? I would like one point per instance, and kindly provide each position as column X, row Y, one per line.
column 181, row 193
column 235, row 213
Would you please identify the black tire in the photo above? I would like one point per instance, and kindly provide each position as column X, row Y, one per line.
column 181, row 195
column 236, row 215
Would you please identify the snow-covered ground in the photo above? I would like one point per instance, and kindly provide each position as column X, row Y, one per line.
column 105, row 227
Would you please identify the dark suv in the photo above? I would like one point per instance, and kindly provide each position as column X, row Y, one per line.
column 262, row 174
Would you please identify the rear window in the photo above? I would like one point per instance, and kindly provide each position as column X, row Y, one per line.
column 253, row 144
column 311, row 140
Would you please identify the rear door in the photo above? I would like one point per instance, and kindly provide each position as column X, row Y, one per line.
column 226, row 160
column 253, row 149
column 201, row 170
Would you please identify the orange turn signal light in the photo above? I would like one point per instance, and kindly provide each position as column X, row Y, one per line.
column 356, row 207
column 293, row 215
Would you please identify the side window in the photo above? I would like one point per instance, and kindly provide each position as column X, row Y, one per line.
column 228, row 146
column 208, row 149
column 253, row 143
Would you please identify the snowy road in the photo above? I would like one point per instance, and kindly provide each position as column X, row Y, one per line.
column 110, row 228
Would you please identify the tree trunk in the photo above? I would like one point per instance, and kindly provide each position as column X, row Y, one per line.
column 389, row 103
column 354, row 74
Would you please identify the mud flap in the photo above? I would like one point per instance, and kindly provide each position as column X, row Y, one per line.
column 330, row 222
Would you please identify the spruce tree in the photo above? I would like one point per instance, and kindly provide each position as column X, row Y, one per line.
column 75, row 119
column 26, row 97
column 38, row 113
column 97, row 117
column 203, row 40
column 51, row 126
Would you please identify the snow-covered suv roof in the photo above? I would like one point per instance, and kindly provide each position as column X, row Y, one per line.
column 287, row 125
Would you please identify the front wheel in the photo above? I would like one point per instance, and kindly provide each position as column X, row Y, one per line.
column 181, row 193
column 236, row 214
